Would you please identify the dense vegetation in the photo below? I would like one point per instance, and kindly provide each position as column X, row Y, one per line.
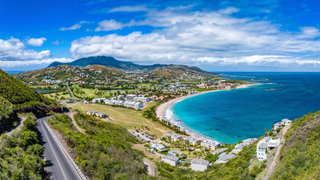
column 105, row 151
column 236, row 168
column 19, row 94
column 20, row 154
column 300, row 156
column 6, row 108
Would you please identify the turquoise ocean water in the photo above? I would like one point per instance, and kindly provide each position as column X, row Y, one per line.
column 232, row 116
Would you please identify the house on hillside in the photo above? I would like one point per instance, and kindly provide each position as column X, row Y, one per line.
column 199, row 164
column 172, row 160
column 174, row 153
column 226, row 158
column 265, row 145
column 219, row 151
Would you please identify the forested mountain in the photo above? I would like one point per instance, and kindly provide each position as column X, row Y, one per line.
column 123, row 65
column 300, row 155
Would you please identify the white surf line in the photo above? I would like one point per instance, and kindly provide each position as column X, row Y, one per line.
column 53, row 152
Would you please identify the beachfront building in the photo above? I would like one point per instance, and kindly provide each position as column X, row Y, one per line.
column 199, row 164
column 265, row 145
column 158, row 147
column 192, row 140
column 172, row 160
column 225, row 158
column 174, row 136
column 174, row 153
column 210, row 144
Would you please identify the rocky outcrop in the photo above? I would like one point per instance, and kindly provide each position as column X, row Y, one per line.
column 7, row 123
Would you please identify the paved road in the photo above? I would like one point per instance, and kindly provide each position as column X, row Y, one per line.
column 70, row 91
column 57, row 163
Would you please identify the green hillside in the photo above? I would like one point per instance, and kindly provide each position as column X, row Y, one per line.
column 123, row 65
column 105, row 152
column 300, row 155
column 19, row 94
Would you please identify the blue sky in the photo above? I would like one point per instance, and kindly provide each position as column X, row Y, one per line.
column 242, row 35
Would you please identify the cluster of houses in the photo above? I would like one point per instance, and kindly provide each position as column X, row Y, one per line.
column 50, row 81
column 218, row 84
column 283, row 122
column 132, row 104
column 98, row 114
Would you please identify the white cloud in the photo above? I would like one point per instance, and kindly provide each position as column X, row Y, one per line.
column 36, row 41
column 108, row 25
column 214, row 37
column 57, row 42
column 129, row 9
column 75, row 26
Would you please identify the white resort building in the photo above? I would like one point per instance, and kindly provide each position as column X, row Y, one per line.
column 199, row 164
column 172, row 160
column 265, row 145
column 174, row 136
column 192, row 140
column 210, row 144
column 158, row 147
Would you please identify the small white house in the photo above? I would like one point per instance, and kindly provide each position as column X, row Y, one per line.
column 174, row 153
column 199, row 164
column 286, row 121
column 158, row 147
column 265, row 145
column 172, row 160
column 226, row 158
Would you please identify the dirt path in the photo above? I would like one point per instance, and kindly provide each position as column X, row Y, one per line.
column 150, row 166
column 272, row 166
column 71, row 115
column 17, row 128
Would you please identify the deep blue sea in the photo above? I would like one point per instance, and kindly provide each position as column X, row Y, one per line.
column 13, row 72
column 234, row 115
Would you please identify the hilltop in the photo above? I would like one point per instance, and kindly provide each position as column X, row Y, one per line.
column 125, row 66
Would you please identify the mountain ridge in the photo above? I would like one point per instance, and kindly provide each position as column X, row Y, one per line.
column 123, row 65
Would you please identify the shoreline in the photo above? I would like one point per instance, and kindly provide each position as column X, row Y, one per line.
column 164, row 107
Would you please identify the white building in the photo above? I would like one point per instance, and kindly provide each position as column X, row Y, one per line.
column 172, row 160
column 199, row 164
column 265, row 145
column 158, row 147
column 283, row 122
column 121, row 97
column 219, row 151
column 142, row 99
column 174, row 153
column 192, row 140
column 174, row 136
column 226, row 158
column 130, row 97
column 210, row 144
column 244, row 143
column 99, row 100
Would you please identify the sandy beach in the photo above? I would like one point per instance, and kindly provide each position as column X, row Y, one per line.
column 162, row 108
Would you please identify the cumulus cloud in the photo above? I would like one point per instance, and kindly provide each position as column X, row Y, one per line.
column 44, row 62
column 129, row 9
column 57, row 42
column 36, row 41
column 214, row 37
column 74, row 27
column 108, row 25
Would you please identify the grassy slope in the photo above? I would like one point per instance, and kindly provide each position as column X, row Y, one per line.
column 300, row 157
column 105, row 68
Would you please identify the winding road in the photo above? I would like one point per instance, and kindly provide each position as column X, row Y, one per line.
column 58, row 165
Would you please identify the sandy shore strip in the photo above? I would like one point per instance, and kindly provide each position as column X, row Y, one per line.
column 162, row 108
